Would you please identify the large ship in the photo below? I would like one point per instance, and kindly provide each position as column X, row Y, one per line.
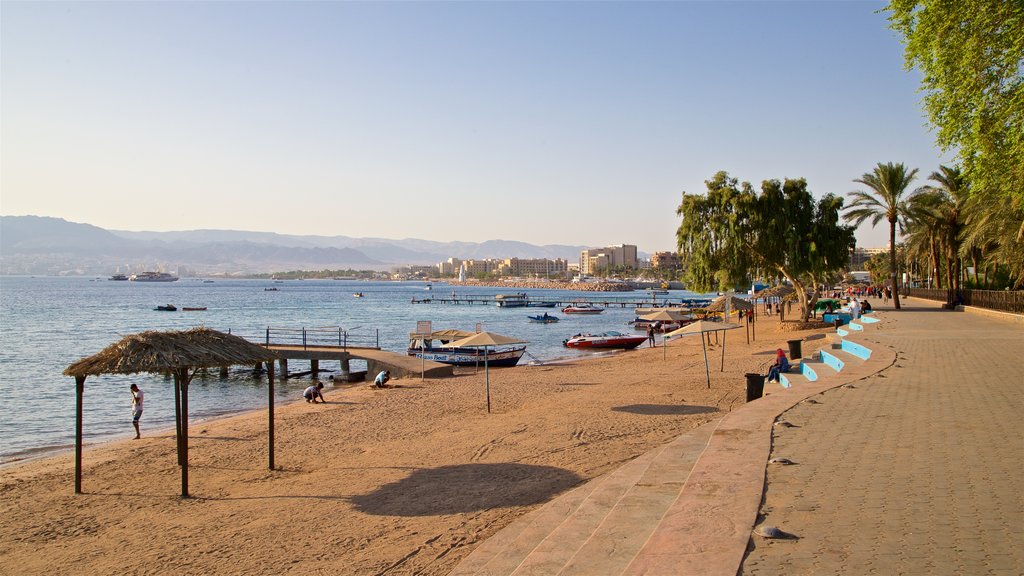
column 153, row 277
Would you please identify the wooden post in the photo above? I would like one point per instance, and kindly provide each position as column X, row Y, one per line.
column 270, row 411
column 79, row 392
column 183, row 378
column 283, row 363
column 223, row 371
column 177, row 415
column 314, row 368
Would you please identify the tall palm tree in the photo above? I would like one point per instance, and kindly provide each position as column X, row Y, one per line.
column 888, row 184
column 947, row 204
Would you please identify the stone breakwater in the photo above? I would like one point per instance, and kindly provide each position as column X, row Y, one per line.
column 581, row 286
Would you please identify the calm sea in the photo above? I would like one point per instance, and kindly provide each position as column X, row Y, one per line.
column 48, row 323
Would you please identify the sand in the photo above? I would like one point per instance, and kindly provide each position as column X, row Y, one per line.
column 405, row 480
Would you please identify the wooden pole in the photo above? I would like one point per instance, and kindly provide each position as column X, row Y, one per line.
column 724, row 334
column 177, row 415
column 270, row 403
column 707, row 371
column 79, row 392
column 487, row 380
column 183, row 377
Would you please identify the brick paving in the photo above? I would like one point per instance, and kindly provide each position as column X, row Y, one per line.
column 918, row 469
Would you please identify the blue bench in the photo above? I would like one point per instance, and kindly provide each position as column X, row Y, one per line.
column 842, row 332
column 808, row 372
column 855, row 326
column 832, row 360
column 869, row 319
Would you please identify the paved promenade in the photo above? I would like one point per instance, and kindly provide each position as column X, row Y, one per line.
column 919, row 469
column 908, row 462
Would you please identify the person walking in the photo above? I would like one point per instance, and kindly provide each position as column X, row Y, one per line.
column 137, row 397
column 650, row 335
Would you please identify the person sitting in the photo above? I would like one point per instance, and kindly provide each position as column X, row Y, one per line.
column 781, row 365
column 865, row 306
column 313, row 392
column 382, row 378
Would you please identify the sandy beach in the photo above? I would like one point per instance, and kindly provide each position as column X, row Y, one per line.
column 405, row 480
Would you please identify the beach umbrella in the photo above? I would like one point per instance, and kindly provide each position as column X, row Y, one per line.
column 664, row 316
column 181, row 353
column 730, row 302
column 484, row 340
column 703, row 327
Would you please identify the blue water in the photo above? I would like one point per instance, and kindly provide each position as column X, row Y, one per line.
column 48, row 323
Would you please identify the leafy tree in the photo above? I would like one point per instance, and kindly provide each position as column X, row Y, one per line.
column 733, row 231
column 944, row 206
column 888, row 184
column 971, row 54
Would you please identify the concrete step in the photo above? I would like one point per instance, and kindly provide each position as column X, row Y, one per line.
column 598, row 527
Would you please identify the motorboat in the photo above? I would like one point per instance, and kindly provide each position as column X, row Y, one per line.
column 358, row 295
column 193, row 308
column 118, row 277
column 421, row 346
column 582, row 308
column 270, row 289
column 609, row 339
column 166, row 308
column 541, row 304
column 511, row 300
column 544, row 318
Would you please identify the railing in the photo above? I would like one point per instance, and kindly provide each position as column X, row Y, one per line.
column 1004, row 300
column 334, row 336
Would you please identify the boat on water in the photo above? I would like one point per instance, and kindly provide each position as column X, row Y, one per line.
column 544, row 318
column 193, row 308
column 511, row 300
column 610, row 339
column 582, row 308
column 357, row 295
column 501, row 356
column 153, row 277
column 118, row 277
column 166, row 308
column 541, row 304
column 270, row 289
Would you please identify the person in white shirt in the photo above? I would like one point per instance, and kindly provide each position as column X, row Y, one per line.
column 137, row 396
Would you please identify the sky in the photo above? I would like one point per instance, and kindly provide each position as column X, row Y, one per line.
column 578, row 123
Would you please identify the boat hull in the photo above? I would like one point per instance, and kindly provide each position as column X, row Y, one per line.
column 620, row 342
column 470, row 356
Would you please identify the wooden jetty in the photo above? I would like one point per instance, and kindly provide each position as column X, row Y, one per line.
column 606, row 301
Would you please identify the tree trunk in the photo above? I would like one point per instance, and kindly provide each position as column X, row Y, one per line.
column 892, row 264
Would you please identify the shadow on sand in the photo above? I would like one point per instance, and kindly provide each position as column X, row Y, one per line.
column 466, row 488
column 664, row 409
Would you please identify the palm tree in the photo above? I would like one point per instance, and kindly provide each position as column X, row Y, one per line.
column 947, row 206
column 888, row 184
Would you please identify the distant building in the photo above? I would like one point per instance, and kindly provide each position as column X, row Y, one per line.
column 859, row 256
column 533, row 267
column 666, row 261
column 600, row 259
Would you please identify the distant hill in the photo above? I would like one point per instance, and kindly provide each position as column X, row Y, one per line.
column 43, row 245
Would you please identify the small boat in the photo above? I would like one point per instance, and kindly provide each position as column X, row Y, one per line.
column 358, row 295
column 193, row 308
column 503, row 356
column 544, row 318
column 582, row 308
column 167, row 308
column 609, row 339
column 270, row 289
column 541, row 304
column 118, row 277
column 153, row 277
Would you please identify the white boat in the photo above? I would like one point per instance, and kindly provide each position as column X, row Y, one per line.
column 511, row 300
column 506, row 356
column 582, row 308
column 610, row 339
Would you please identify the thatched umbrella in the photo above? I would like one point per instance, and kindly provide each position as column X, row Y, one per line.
column 665, row 316
column 731, row 302
column 484, row 340
column 177, row 352
column 702, row 327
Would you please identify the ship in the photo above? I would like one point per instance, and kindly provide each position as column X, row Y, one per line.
column 153, row 277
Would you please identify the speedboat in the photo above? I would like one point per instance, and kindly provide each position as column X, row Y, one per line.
column 544, row 318
column 582, row 308
column 421, row 346
column 609, row 339
column 358, row 295
column 166, row 308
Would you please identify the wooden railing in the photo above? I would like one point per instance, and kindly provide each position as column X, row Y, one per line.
column 323, row 336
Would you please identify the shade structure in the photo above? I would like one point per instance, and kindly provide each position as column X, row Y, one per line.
column 484, row 340
column 703, row 327
column 178, row 353
column 664, row 316
column 718, row 304
column 777, row 291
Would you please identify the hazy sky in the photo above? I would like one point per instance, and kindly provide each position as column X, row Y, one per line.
column 550, row 123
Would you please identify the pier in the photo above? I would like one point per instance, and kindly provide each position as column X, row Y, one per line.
column 338, row 344
column 559, row 302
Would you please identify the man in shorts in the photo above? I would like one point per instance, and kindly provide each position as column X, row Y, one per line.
column 137, row 396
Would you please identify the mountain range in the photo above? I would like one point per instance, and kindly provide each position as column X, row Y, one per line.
column 44, row 245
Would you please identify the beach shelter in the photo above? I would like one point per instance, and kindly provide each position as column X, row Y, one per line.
column 484, row 340
column 180, row 353
column 664, row 316
column 727, row 303
column 703, row 327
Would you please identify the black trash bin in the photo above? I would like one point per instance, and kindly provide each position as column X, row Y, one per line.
column 755, row 386
column 794, row 349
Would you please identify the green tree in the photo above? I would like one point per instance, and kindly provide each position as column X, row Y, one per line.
column 732, row 231
column 886, row 199
column 971, row 54
column 945, row 209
